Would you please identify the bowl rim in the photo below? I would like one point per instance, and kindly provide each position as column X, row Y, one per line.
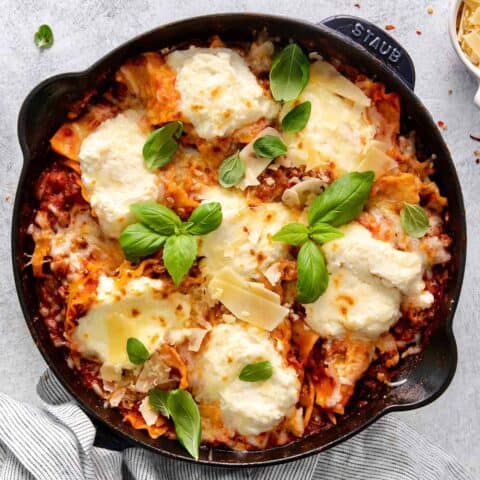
column 17, row 274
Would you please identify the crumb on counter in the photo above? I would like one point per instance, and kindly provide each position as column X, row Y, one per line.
column 476, row 153
column 477, row 161
column 356, row 5
column 429, row 9
column 450, row 91
column 442, row 125
column 389, row 27
column 474, row 137
column 418, row 32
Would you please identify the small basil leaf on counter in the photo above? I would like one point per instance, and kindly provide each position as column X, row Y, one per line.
column 186, row 418
column 256, row 372
column 414, row 220
column 157, row 217
column 323, row 233
column 293, row 234
column 179, row 253
column 297, row 118
column 289, row 73
column 43, row 37
column 158, row 401
column 231, row 171
column 205, row 218
column 312, row 274
column 137, row 241
column 161, row 145
column 343, row 200
column 269, row 146
column 136, row 351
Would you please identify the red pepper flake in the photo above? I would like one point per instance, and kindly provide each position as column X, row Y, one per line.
column 450, row 91
column 473, row 137
column 418, row 32
column 389, row 27
column 477, row 161
column 442, row 125
column 356, row 5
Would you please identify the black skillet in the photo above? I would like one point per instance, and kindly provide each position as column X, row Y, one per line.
column 355, row 42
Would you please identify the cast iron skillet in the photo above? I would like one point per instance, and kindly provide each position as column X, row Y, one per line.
column 357, row 43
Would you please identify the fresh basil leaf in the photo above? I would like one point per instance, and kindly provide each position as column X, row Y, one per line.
column 205, row 218
column 136, row 351
column 161, row 145
column 312, row 274
column 293, row 234
column 343, row 200
column 186, row 418
column 256, row 372
column 158, row 401
column 414, row 220
column 289, row 73
column 179, row 253
column 137, row 240
column 43, row 37
column 157, row 217
column 269, row 146
column 297, row 118
column 323, row 233
column 231, row 171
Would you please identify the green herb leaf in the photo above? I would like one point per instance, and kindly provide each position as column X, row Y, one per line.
column 414, row 220
column 289, row 74
column 269, row 146
column 158, row 401
column 137, row 240
column 297, row 118
column 43, row 37
column 157, row 217
column 312, row 275
column 161, row 145
column 179, row 253
column 256, row 372
column 323, row 233
column 343, row 200
column 293, row 234
column 136, row 351
column 186, row 418
column 205, row 218
column 231, row 171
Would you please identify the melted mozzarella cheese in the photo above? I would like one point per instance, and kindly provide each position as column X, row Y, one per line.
column 338, row 131
column 138, row 310
column 368, row 280
column 249, row 408
column 113, row 171
column 218, row 91
column 243, row 241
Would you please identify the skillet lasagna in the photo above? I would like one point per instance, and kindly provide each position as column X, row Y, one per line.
column 235, row 243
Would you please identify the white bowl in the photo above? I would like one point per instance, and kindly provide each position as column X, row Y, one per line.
column 452, row 26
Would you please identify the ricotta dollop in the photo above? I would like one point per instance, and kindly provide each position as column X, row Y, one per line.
column 249, row 408
column 218, row 91
column 114, row 173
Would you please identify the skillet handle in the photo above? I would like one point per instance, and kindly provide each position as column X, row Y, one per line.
column 377, row 42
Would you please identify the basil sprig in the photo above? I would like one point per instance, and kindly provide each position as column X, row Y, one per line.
column 297, row 118
column 181, row 407
column 161, row 227
column 340, row 203
column 256, row 372
column 269, row 146
column 231, row 171
column 161, row 145
column 136, row 351
column 414, row 220
column 43, row 37
column 289, row 73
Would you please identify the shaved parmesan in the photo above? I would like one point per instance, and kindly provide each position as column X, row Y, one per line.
column 248, row 301
column 377, row 160
column 148, row 413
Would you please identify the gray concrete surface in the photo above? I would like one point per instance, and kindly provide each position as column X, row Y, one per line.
column 85, row 30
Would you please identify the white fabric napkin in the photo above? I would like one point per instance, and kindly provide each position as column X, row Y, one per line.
column 56, row 443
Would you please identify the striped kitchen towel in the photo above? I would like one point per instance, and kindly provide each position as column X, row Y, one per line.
column 56, row 443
